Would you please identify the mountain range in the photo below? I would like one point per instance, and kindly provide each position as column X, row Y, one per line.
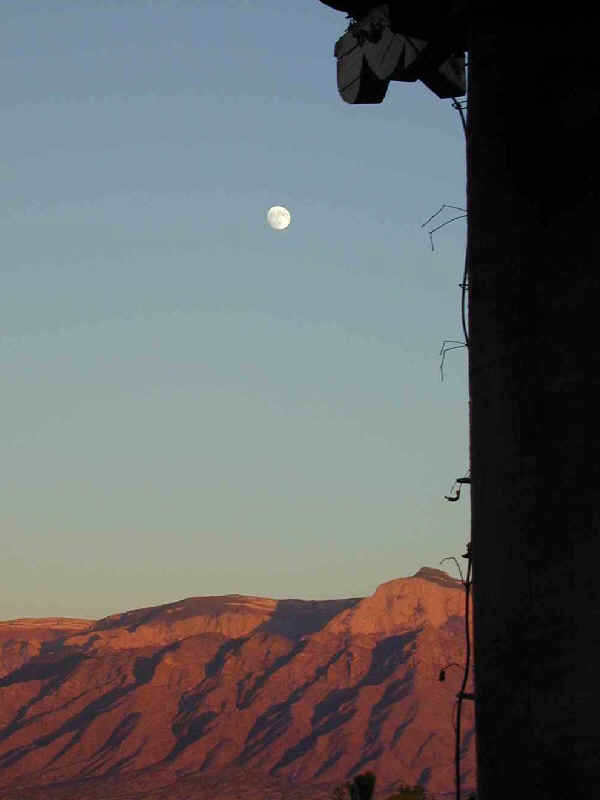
column 238, row 697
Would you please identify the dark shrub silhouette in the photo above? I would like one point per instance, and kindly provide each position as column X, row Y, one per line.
column 361, row 787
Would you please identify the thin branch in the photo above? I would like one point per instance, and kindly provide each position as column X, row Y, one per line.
column 453, row 558
column 461, row 694
column 456, row 711
column 433, row 216
column 461, row 112
column 463, row 296
column 456, row 345
column 448, row 221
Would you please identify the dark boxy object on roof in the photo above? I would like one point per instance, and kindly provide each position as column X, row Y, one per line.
column 385, row 42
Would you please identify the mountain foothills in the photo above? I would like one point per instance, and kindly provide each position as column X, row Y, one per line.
column 236, row 696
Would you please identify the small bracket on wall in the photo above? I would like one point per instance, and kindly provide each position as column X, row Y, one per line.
column 455, row 491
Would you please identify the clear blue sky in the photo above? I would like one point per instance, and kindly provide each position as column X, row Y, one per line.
column 193, row 403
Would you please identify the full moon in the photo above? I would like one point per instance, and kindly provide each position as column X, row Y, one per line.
column 278, row 217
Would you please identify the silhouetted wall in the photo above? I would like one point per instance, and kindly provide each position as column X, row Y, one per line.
column 534, row 301
column 533, row 178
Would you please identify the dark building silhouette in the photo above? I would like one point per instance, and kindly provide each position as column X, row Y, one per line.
column 533, row 201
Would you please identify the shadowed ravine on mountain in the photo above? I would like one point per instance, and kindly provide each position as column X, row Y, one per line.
column 301, row 692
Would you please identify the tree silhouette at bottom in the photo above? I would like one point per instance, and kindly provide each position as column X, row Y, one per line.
column 362, row 786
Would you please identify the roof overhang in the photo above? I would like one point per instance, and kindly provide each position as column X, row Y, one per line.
column 424, row 18
column 393, row 41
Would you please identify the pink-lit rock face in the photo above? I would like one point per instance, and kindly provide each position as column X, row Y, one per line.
column 298, row 692
column 21, row 639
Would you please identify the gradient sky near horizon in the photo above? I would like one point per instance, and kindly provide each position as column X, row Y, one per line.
column 193, row 403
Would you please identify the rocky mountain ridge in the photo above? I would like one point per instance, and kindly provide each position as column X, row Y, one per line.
column 302, row 693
